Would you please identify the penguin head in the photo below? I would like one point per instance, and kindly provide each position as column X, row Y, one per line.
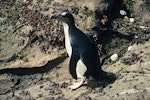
column 64, row 16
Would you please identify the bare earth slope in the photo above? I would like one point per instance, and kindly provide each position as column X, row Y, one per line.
column 34, row 63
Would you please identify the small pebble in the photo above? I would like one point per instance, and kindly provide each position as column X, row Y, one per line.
column 122, row 12
column 132, row 20
column 142, row 27
column 24, row 0
column 41, row 87
column 130, row 48
column 64, row 85
column 114, row 57
column 125, row 17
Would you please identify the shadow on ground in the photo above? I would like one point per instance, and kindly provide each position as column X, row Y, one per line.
column 103, row 81
column 29, row 71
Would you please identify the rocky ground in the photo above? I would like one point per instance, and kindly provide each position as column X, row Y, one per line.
column 34, row 63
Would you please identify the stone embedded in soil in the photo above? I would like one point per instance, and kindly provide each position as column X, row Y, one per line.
column 122, row 12
column 142, row 27
column 60, row 98
column 131, row 60
column 131, row 20
column 64, row 85
column 53, row 89
column 130, row 48
column 114, row 57
column 83, row 98
column 25, row 93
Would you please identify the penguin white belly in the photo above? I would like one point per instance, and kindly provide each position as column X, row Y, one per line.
column 80, row 69
column 67, row 39
column 68, row 47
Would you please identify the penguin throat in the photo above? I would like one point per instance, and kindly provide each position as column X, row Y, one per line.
column 66, row 29
column 67, row 39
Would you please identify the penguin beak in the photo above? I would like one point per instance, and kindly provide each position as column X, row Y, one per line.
column 54, row 16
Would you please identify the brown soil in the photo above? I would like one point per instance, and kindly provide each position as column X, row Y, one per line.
column 34, row 63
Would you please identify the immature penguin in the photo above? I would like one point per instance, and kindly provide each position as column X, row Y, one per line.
column 84, row 59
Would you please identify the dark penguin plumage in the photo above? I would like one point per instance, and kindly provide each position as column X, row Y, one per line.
column 79, row 47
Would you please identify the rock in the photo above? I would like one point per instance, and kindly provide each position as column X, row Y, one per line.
column 64, row 85
column 114, row 57
column 25, row 1
column 125, row 17
column 131, row 20
column 130, row 48
column 142, row 27
column 122, row 12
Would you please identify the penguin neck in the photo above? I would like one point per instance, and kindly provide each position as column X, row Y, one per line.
column 67, row 39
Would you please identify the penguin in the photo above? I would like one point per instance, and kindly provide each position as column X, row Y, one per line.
column 84, row 60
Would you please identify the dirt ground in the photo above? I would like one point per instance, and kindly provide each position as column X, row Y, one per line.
column 34, row 62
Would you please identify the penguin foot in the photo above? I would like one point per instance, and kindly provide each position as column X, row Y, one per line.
column 75, row 85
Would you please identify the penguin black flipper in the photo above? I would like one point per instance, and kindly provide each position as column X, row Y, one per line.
column 73, row 62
